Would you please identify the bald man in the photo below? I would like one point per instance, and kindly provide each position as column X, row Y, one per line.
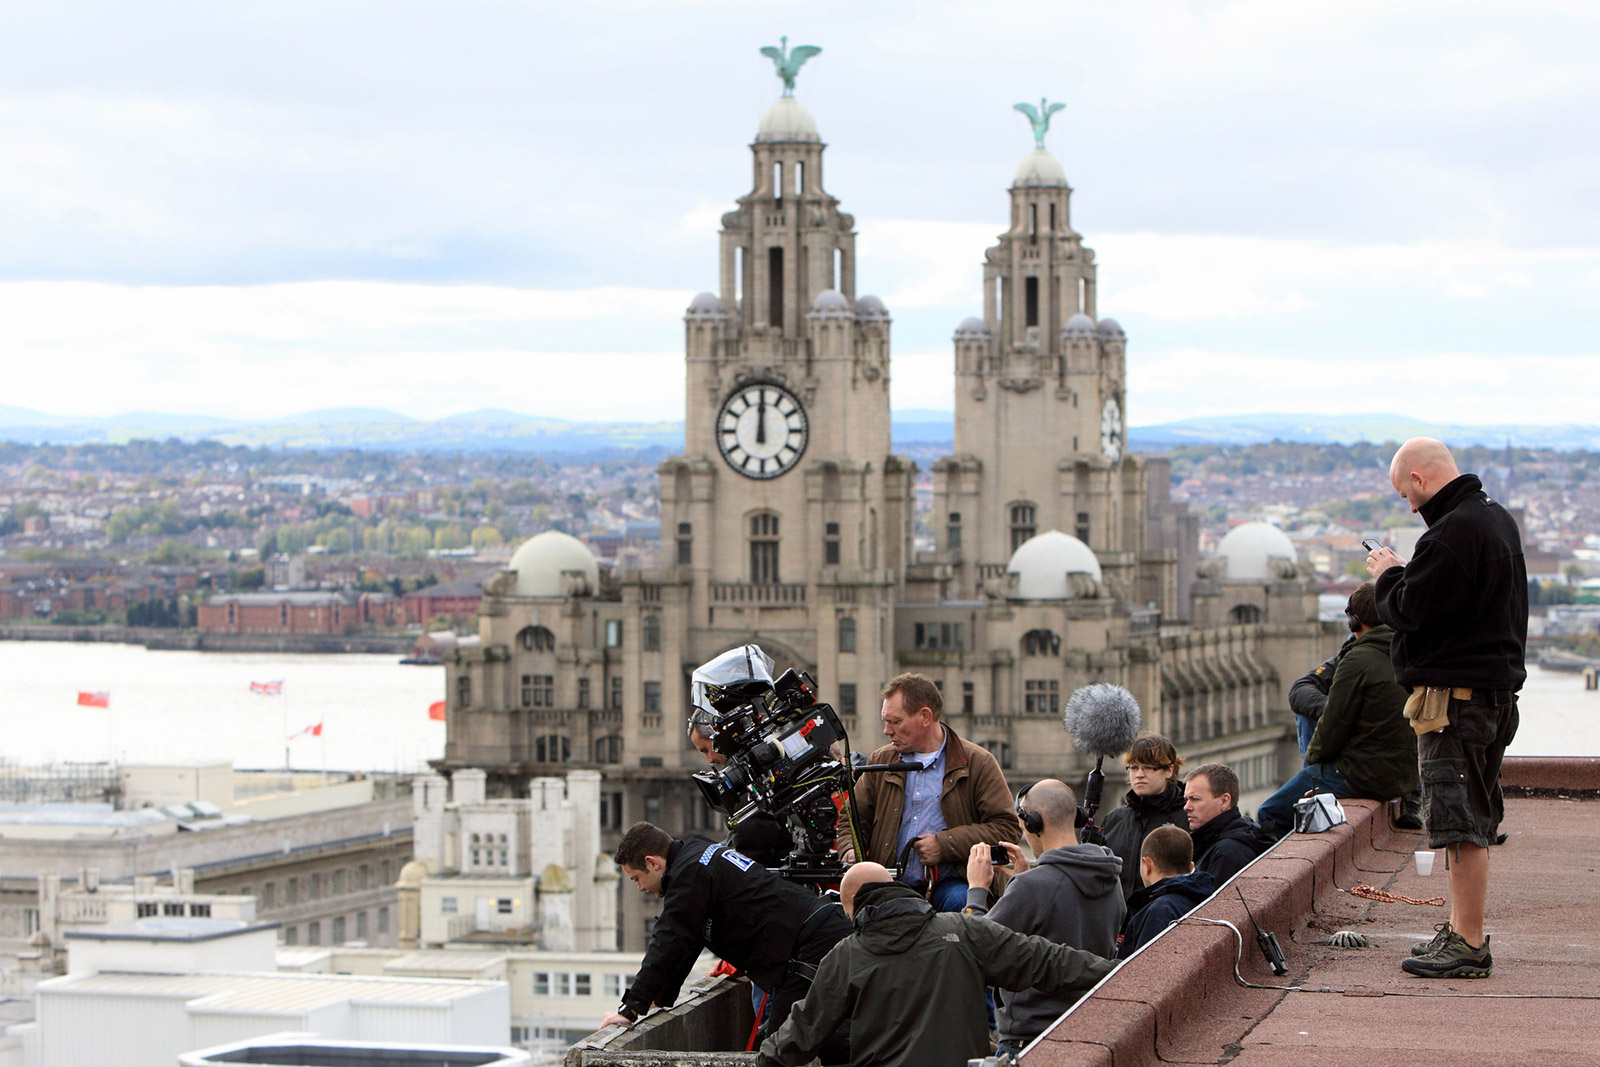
column 909, row 982
column 1459, row 610
column 1073, row 896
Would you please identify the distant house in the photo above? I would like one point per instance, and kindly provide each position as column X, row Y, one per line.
column 454, row 600
column 320, row 612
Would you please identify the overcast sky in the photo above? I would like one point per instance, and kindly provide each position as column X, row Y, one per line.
column 253, row 209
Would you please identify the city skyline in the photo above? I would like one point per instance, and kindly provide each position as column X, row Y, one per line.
column 253, row 214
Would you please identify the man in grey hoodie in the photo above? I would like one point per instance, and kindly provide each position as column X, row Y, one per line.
column 1073, row 896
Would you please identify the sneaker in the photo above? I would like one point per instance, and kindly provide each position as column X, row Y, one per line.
column 1455, row 959
column 1441, row 935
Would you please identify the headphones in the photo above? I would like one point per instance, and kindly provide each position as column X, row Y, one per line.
column 1033, row 822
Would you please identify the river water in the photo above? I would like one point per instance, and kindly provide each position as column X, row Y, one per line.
column 172, row 706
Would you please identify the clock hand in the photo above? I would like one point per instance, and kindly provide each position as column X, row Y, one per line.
column 761, row 417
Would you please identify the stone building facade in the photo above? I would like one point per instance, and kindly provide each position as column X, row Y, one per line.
column 788, row 521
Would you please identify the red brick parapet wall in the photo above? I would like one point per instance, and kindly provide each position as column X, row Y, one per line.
column 1177, row 999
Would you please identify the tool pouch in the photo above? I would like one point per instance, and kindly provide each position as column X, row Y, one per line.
column 1428, row 707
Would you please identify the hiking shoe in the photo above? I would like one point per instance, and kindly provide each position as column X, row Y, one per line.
column 1454, row 959
column 1441, row 934
column 1410, row 817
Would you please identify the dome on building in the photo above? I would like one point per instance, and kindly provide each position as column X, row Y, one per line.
column 830, row 302
column 1110, row 328
column 787, row 121
column 706, row 306
column 540, row 561
column 1039, row 168
column 870, row 307
column 972, row 327
column 1079, row 325
column 412, row 874
column 1248, row 550
column 1042, row 563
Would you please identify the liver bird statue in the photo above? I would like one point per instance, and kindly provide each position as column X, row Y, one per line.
column 1040, row 117
column 789, row 63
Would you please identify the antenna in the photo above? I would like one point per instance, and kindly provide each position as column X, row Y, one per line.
column 1266, row 939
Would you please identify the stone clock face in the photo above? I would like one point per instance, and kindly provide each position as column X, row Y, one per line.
column 761, row 430
column 1111, row 430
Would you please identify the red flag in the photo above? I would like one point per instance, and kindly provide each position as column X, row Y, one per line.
column 314, row 730
column 267, row 689
column 93, row 700
column 436, row 711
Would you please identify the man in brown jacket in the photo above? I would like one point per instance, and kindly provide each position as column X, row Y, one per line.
column 929, row 819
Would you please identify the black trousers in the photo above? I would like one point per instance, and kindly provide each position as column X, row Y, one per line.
column 826, row 928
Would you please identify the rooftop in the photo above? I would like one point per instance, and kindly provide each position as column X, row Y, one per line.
column 1179, row 1000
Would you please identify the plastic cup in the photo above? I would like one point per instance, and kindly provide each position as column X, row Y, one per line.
column 1424, row 863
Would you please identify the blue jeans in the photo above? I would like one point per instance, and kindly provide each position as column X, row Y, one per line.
column 1277, row 812
column 1303, row 729
column 950, row 894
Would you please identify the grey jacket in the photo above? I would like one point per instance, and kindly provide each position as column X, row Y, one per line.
column 1073, row 896
column 910, row 981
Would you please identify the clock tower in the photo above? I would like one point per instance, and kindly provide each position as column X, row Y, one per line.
column 787, row 516
column 1040, row 428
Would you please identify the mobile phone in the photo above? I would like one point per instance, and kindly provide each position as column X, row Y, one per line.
column 1371, row 544
column 998, row 856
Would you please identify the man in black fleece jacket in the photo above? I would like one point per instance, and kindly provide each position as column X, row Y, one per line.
column 1225, row 840
column 1459, row 610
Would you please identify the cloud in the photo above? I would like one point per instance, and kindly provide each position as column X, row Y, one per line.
column 261, row 351
column 1457, row 387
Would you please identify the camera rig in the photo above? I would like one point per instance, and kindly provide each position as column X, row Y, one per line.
column 777, row 739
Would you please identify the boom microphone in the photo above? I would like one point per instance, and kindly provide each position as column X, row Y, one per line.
column 1103, row 721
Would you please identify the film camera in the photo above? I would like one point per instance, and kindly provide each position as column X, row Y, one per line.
column 777, row 740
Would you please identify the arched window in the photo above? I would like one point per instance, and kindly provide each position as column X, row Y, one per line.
column 847, row 634
column 552, row 749
column 764, row 548
column 1041, row 643
column 1024, row 523
column 608, row 749
column 1244, row 614
column 536, row 639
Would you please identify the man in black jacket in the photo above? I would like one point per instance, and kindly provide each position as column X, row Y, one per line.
column 716, row 898
column 1172, row 888
column 1225, row 840
column 1309, row 695
column 1459, row 610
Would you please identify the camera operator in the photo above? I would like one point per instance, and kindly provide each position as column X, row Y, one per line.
column 929, row 818
column 761, row 836
column 773, row 930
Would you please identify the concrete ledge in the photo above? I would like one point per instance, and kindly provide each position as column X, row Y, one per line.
column 1547, row 775
column 715, row 1017
column 1176, row 998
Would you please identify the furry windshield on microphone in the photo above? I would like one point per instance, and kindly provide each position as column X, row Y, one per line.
column 1102, row 719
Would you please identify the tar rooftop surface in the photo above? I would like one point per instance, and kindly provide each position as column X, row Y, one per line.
column 1178, row 1001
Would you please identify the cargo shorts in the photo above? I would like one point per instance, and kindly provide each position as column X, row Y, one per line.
column 1460, row 765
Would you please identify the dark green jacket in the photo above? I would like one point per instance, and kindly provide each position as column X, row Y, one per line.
column 910, row 981
column 1362, row 730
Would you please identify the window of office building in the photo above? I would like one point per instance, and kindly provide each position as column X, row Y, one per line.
column 1041, row 696
column 764, row 548
column 847, row 634
column 1024, row 524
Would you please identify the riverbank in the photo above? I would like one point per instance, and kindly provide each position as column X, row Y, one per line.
column 190, row 641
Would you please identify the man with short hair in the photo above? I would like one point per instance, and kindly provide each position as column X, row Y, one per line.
column 1073, row 897
column 1172, row 888
column 1225, row 840
column 908, row 983
column 930, row 818
column 1363, row 746
column 716, row 898
column 1459, row 610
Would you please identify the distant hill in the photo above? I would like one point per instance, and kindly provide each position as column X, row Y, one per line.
column 1335, row 429
column 499, row 430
